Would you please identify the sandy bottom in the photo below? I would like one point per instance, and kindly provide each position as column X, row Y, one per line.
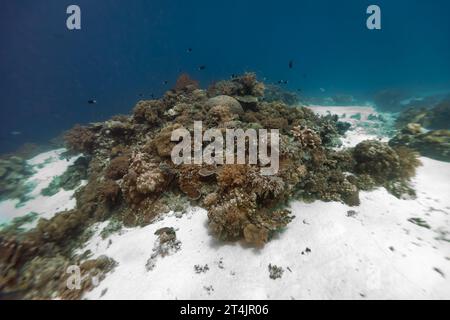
column 51, row 165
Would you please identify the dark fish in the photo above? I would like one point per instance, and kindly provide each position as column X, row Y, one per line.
column 152, row 95
column 291, row 64
column 92, row 101
column 166, row 82
column 189, row 50
column 141, row 95
column 282, row 82
column 202, row 67
column 233, row 76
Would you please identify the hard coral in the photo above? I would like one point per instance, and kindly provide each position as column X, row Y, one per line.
column 184, row 82
column 117, row 168
column 148, row 111
column 434, row 144
column 245, row 85
column 162, row 142
column 307, row 137
column 80, row 139
column 376, row 159
column 144, row 178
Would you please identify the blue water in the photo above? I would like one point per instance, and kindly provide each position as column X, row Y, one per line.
column 127, row 48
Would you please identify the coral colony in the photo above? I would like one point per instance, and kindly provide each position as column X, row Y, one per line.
column 236, row 142
column 139, row 166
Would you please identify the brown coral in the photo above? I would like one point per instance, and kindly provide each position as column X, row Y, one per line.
column 117, row 168
column 148, row 111
column 162, row 142
column 185, row 82
column 307, row 137
column 144, row 177
column 80, row 139
column 376, row 159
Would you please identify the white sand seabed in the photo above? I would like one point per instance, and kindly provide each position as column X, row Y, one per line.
column 45, row 207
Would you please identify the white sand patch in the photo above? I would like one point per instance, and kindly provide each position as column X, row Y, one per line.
column 47, row 166
column 348, row 111
column 361, row 129
column 376, row 254
column 357, row 135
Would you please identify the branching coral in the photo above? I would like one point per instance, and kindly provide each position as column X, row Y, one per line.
column 184, row 82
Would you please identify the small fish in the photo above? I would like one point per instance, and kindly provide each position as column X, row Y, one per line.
column 141, row 95
column 291, row 64
column 16, row 133
column 233, row 76
column 322, row 90
column 283, row 82
column 165, row 82
column 152, row 95
column 189, row 50
column 299, row 90
column 202, row 67
column 92, row 101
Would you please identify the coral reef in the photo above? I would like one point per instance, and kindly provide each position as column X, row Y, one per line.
column 80, row 139
column 184, row 82
column 246, row 89
column 274, row 93
column 390, row 167
column 433, row 144
column 436, row 118
column 132, row 180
